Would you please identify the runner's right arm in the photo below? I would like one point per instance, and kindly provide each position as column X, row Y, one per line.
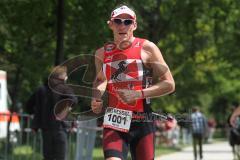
column 99, row 84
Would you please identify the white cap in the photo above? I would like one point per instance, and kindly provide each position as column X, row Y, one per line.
column 123, row 10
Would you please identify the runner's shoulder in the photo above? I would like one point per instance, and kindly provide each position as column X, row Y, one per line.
column 149, row 46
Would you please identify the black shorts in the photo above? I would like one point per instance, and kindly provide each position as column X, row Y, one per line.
column 140, row 139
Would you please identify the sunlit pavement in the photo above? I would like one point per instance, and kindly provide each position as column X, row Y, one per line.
column 216, row 151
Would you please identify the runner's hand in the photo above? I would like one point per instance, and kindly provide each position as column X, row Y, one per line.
column 96, row 106
column 129, row 96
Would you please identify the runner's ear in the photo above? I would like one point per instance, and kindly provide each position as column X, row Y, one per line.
column 134, row 25
column 110, row 24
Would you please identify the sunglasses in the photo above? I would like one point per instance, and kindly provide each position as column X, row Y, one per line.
column 120, row 21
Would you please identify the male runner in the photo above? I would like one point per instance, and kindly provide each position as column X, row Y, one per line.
column 126, row 69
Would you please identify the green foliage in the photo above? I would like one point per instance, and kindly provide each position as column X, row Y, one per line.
column 198, row 39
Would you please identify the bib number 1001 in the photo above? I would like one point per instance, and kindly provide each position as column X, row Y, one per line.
column 117, row 119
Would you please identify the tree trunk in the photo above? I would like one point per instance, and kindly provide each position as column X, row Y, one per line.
column 60, row 32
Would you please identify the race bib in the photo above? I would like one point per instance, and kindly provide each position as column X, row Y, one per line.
column 117, row 119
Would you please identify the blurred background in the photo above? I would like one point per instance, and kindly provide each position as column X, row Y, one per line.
column 199, row 40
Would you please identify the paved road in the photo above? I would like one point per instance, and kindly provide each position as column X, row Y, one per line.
column 216, row 151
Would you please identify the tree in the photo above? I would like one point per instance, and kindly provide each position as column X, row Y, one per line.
column 198, row 39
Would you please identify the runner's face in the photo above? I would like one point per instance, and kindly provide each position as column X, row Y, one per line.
column 122, row 31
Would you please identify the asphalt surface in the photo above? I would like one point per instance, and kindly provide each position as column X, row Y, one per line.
column 216, row 151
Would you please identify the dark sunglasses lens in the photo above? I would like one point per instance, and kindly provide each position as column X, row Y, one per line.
column 128, row 22
column 117, row 21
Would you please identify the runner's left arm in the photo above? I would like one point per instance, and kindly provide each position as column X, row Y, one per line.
column 163, row 82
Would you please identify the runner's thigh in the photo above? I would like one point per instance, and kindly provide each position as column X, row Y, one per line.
column 114, row 144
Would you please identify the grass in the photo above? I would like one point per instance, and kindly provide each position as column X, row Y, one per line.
column 160, row 150
column 97, row 154
column 25, row 152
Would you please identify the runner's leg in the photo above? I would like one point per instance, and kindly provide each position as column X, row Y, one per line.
column 142, row 141
column 114, row 144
